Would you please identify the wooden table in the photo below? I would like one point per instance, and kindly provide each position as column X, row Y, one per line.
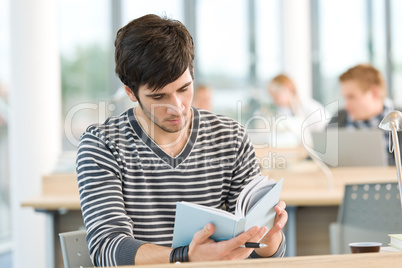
column 59, row 192
column 366, row 260
column 304, row 185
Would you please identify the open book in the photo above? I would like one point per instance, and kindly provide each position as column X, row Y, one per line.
column 254, row 207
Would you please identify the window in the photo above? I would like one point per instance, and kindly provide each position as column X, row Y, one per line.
column 5, row 215
column 376, row 25
column 268, row 40
column 396, row 46
column 222, row 52
column 237, row 52
column 132, row 9
column 342, row 43
column 87, row 65
column 354, row 32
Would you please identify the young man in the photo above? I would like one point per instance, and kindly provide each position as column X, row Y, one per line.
column 366, row 102
column 133, row 168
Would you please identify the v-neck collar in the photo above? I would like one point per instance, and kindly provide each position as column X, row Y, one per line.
column 171, row 161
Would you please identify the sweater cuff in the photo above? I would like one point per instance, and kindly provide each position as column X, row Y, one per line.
column 126, row 250
column 280, row 252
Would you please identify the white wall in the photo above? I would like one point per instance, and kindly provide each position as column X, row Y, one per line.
column 35, row 106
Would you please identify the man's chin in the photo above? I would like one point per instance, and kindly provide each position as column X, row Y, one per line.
column 173, row 128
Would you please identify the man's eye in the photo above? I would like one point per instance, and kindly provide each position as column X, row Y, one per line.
column 183, row 89
column 157, row 97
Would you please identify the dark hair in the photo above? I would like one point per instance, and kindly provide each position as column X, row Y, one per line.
column 153, row 51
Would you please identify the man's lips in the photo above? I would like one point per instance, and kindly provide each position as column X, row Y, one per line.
column 175, row 121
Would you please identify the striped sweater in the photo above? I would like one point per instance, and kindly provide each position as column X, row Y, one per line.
column 129, row 186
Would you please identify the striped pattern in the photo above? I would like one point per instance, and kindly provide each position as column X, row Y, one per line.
column 129, row 187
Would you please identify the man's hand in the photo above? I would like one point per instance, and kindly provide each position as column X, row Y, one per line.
column 202, row 248
column 274, row 237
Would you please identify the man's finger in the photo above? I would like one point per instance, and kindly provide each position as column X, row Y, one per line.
column 204, row 234
column 244, row 237
column 281, row 206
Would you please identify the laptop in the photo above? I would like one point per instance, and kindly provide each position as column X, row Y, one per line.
column 345, row 147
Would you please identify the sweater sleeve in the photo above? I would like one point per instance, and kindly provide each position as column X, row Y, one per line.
column 110, row 235
column 280, row 252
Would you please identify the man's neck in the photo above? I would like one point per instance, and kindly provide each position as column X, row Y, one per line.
column 377, row 110
column 171, row 143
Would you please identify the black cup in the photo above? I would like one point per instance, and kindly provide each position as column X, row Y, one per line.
column 365, row 247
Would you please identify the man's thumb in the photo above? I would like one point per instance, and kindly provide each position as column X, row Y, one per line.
column 204, row 234
column 209, row 229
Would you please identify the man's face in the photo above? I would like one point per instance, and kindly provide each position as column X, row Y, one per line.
column 281, row 94
column 358, row 103
column 168, row 109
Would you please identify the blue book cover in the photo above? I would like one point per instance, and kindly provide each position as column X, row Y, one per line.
column 254, row 207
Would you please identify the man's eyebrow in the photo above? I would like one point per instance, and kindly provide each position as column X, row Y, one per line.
column 185, row 85
column 156, row 93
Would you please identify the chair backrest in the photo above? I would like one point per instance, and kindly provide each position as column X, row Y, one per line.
column 369, row 212
column 74, row 249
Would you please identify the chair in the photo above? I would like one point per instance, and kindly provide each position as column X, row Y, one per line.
column 74, row 249
column 368, row 213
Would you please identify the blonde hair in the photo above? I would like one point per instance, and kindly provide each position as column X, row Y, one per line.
column 283, row 80
column 366, row 76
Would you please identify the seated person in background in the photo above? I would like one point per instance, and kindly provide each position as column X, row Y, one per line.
column 133, row 168
column 203, row 98
column 287, row 102
column 366, row 103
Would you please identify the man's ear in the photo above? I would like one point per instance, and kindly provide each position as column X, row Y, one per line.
column 130, row 94
column 375, row 90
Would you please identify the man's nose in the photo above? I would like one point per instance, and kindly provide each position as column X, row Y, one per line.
column 175, row 106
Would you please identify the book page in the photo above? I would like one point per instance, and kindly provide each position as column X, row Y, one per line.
column 252, row 193
column 256, row 196
column 263, row 212
column 240, row 203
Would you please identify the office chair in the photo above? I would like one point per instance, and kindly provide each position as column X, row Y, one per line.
column 368, row 213
column 74, row 249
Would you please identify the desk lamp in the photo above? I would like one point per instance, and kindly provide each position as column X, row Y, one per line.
column 393, row 122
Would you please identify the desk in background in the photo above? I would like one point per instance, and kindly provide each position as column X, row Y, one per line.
column 305, row 187
column 314, row 201
column 60, row 203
